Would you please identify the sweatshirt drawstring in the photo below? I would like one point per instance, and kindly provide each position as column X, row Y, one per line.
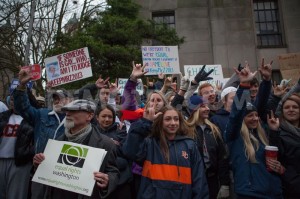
column 178, row 170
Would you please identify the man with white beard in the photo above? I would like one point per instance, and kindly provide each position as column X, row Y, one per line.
column 47, row 123
column 78, row 129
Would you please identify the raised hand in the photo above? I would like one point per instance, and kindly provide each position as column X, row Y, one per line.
column 202, row 75
column 273, row 122
column 101, row 83
column 265, row 70
column 149, row 114
column 245, row 74
column 161, row 75
column 113, row 86
column 279, row 91
column 24, row 76
column 150, row 84
column 168, row 82
column 184, row 82
column 219, row 85
column 137, row 71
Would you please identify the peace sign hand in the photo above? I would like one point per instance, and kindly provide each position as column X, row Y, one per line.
column 273, row 122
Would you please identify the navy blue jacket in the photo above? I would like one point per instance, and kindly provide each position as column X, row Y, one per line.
column 182, row 177
column 250, row 179
column 123, row 164
column 220, row 119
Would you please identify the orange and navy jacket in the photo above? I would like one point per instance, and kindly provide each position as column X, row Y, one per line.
column 182, row 177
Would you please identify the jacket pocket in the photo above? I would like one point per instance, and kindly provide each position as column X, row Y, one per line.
column 168, row 189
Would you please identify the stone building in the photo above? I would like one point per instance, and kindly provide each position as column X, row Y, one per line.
column 228, row 32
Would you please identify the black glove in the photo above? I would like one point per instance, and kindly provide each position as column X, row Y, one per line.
column 240, row 67
column 202, row 75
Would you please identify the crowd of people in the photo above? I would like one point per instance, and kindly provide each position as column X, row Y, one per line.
column 174, row 141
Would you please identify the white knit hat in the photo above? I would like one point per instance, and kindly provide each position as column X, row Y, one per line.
column 228, row 90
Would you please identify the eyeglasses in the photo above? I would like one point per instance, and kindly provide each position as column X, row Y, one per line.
column 208, row 92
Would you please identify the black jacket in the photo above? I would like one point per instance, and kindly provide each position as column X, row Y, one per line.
column 24, row 149
column 288, row 144
column 123, row 163
column 218, row 157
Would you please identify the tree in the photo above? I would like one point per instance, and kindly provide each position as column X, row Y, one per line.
column 114, row 38
column 48, row 25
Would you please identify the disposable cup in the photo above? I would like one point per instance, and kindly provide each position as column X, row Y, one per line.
column 271, row 153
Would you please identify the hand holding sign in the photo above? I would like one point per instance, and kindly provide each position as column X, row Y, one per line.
column 101, row 179
column 38, row 159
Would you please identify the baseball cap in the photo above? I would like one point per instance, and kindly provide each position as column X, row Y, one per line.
column 80, row 105
column 61, row 93
column 194, row 102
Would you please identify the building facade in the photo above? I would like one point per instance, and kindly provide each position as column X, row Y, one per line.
column 228, row 32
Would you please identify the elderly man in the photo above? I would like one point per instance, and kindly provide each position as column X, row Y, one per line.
column 47, row 123
column 78, row 129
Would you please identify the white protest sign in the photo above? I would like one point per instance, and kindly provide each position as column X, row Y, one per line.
column 69, row 166
column 217, row 74
column 160, row 59
column 68, row 67
column 122, row 82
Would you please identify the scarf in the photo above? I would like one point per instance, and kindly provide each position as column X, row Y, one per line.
column 78, row 136
column 290, row 128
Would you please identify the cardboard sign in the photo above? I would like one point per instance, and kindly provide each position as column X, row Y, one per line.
column 160, row 59
column 68, row 67
column 16, row 82
column 34, row 70
column 290, row 66
column 69, row 166
column 122, row 82
column 217, row 74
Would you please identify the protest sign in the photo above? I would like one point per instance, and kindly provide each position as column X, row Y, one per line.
column 34, row 70
column 160, row 59
column 217, row 74
column 69, row 166
column 16, row 82
column 122, row 82
column 290, row 66
column 68, row 67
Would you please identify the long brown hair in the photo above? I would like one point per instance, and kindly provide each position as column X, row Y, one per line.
column 157, row 130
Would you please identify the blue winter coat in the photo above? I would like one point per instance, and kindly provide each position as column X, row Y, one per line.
column 182, row 177
column 46, row 123
column 250, row 179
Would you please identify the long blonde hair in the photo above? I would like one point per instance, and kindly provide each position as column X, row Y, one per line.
column 193, row 121
column 250, row 140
